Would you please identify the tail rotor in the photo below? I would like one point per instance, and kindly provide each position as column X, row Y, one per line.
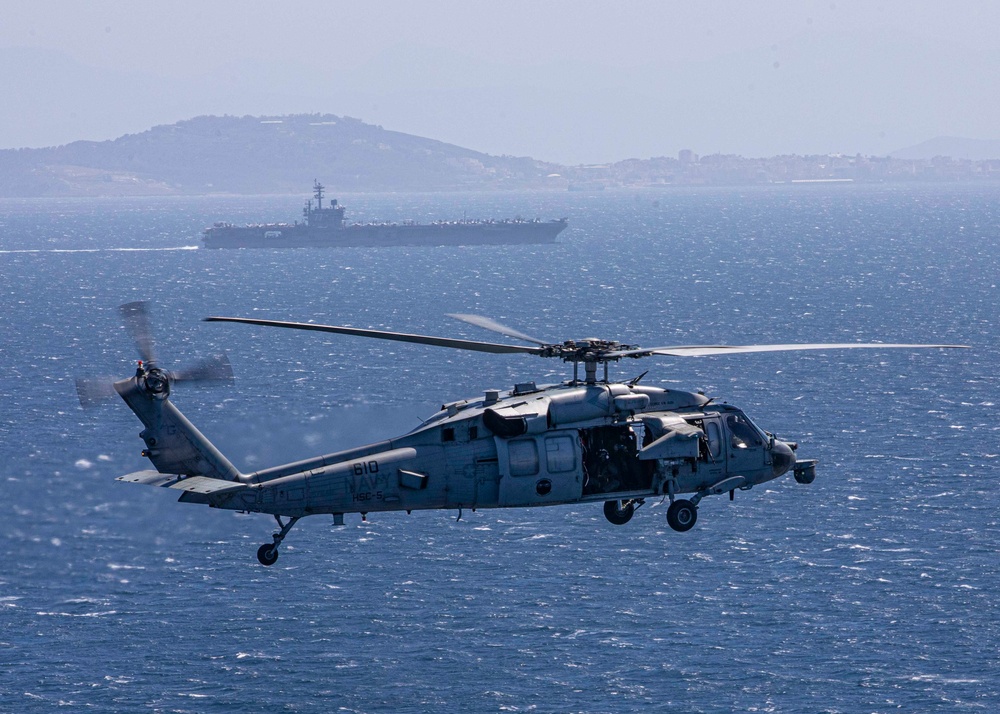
column 149, row 377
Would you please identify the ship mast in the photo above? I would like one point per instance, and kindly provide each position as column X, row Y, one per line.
column 318, row 192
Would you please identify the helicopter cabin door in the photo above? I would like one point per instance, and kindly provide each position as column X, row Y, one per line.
column 536, row 470
column 713, row 451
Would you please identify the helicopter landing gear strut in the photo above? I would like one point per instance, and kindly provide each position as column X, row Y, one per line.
column 267, row 554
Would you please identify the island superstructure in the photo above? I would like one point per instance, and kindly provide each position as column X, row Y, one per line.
column 325, row 227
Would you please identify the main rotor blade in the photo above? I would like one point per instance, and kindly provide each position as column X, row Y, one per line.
column 216, row 368
column 384, row 335
column 706, row 350
column 487, row 323
column 136, row 318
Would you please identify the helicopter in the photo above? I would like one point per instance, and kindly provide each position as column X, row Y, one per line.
column 585, row 440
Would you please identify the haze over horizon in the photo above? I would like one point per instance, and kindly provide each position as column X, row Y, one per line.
column 569, row 82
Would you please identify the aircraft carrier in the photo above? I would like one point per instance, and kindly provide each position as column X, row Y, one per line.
column 324, row 227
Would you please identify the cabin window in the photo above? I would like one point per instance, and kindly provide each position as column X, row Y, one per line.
column 448, row 434
column 714, row 438
column 523, row 457
column 473, row 433
column 559, row 454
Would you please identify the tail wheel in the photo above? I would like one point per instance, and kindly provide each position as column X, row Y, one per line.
column 619, row 512
column 682, row 515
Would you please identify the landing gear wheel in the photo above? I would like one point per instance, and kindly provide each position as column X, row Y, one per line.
column 682, row 515
column 619, row 512
column 267, row 554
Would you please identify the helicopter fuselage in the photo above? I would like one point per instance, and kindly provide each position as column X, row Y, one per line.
column 531, row 447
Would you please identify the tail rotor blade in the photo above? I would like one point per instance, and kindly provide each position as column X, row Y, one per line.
column 136, row 318
column 94, row 392
column 216, row 368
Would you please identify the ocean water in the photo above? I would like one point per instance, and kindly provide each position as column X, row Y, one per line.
column 872, row 590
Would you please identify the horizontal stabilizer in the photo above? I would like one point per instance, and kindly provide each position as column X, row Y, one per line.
column 205, row 485
column 192, row 484
column 150, row 478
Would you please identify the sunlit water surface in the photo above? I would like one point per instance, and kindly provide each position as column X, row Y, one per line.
column 872, row 590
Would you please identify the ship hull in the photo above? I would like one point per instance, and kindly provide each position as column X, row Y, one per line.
column 359, row 236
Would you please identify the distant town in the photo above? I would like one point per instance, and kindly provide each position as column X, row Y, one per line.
column 688, row 169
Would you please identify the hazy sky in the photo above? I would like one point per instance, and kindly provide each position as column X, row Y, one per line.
column 573, row 82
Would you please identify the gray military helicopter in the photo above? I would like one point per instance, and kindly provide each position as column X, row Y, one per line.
column 584, row 440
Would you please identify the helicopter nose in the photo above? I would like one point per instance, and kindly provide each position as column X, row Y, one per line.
column 782, row 458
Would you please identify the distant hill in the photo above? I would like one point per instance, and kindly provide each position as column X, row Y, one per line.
column 283, row 154
column 247, row 155
column 951, row 146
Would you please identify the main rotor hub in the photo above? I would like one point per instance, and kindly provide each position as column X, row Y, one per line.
column 587, row 350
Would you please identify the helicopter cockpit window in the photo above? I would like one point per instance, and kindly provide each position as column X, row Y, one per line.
column 744, row 435
column 559, row 455
column 522, row 455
